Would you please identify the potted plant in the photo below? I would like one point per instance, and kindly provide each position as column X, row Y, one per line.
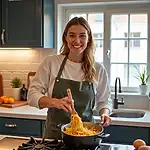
column 143, row 78
column 16, row 84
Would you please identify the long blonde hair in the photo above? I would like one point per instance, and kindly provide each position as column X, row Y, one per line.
column 88, row 65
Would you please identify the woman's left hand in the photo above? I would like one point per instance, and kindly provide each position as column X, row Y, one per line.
column 105, row 120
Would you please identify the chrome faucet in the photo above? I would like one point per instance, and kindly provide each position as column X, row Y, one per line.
column 116, row 101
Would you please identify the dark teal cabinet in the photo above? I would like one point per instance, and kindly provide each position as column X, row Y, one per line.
column 27, row 23
column 126, row 134
column 20, row 127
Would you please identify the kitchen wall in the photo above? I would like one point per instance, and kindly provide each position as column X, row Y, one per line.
column 133, row 100
column 18, row 62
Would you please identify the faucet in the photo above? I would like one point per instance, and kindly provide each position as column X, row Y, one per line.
column 116, row 101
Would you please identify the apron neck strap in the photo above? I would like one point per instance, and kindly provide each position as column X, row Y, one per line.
column 62, row 67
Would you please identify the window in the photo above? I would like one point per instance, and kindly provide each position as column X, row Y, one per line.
column 128, row 46
column 123, row 32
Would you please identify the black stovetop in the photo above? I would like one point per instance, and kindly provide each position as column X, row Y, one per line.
column 43, row 144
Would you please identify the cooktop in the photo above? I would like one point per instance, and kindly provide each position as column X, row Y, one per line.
column 22, row 143
column 43, row 144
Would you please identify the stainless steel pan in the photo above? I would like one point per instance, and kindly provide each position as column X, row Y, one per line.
column 84, row 141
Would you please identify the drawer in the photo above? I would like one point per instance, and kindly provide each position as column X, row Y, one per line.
column 21, row 127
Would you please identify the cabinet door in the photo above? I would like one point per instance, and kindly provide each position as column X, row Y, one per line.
column 22, row 23
column 126, row 134
column 20, row 127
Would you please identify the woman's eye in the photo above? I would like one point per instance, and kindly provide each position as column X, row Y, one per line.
column 83, row 36
column 71, row 35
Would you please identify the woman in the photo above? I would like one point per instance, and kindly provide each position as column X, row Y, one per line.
column 76, row 69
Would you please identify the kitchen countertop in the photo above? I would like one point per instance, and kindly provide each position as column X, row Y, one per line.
column 9, row 142
column 25, row 111
column 29, row 112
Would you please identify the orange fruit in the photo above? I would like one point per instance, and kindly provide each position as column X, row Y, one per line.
column 11, row 100
column 1, row 100
column 6, row 100
column 138, row 142
column 144, row 147
column 3, row 97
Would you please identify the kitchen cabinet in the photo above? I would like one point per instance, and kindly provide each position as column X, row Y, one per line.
column 126, row 134
column 20, row 127
column 27, row 23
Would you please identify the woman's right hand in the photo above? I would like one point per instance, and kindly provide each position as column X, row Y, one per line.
column 64, row 103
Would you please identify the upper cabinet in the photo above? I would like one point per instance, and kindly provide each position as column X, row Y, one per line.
column 27, row 23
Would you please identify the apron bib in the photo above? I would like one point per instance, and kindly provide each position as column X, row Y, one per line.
column 84, row 101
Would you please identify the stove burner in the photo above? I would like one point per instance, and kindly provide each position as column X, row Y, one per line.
column 43, row 144
column 40, row 145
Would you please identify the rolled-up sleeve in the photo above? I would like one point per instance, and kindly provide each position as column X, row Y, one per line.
column 103, row 93
column 39, row 84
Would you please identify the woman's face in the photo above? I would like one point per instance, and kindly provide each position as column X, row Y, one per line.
column 77, row 39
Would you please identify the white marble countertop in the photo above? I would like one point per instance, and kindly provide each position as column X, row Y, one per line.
column 26, row 111
column 29, row 112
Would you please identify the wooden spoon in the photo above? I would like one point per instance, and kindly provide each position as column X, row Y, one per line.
column 70, row 97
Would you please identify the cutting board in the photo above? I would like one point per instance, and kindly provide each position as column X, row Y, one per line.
column 17, row 103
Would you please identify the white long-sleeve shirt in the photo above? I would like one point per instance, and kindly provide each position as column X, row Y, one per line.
column 43, row 82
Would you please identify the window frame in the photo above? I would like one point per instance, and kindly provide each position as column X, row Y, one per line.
column 109, row 10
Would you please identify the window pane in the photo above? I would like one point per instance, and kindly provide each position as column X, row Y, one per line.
column 78, row 15
column 138, row 51
column 138, row 24
column 133, row 73
column 119, row 25
column 119, row 70
column 96, row 21
column 99, row 50
column 119, row 51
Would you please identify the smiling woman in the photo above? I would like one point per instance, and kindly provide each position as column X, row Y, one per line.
column 75, row 69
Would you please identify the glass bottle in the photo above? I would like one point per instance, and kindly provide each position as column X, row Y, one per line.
column 23, row 93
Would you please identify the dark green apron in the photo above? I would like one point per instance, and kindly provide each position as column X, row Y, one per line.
column 84, row 101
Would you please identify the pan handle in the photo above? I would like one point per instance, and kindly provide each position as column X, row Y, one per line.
column 103, row 135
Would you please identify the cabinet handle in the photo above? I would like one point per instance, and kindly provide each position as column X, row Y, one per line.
column 10, row 125
column 2, row 36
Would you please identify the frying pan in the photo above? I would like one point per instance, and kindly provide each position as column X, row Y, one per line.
column 84, row 141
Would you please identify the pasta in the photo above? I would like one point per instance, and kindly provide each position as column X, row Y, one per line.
column 77, row 129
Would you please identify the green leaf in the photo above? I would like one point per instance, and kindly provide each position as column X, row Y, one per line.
column 16, row 82
column 142, row 76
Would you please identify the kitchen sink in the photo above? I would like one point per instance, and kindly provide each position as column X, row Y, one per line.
column 128, row 114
